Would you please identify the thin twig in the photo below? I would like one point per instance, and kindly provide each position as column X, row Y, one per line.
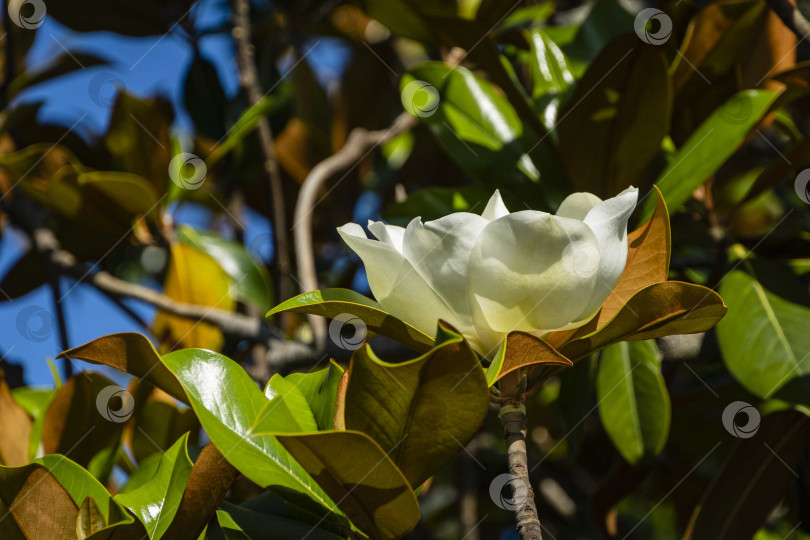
column 358, row 145
column 249, row 78
column 790, row 15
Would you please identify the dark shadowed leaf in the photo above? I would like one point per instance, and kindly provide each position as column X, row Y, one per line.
column 421, row 411
column 619, row 112
column 753, row 479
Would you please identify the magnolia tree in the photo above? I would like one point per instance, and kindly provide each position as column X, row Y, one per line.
column 532, row 271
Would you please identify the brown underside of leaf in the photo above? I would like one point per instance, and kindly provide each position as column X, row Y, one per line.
column 15, row 429
column 210, row 480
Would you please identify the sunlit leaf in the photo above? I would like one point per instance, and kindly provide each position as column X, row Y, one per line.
column 520, row 349
column 633, row 399
column 333, row 302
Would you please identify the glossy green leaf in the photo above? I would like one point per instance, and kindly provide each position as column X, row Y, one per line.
column 355, row 471
column 333, row 302
column 234, row 411
column 633, row 399
column 288, row 392
column 662, row 309
column 709, row 147
column 156, row 501
column 320, row 390
column 617, row 115
column 250, row 281
column 753, row 479
column 421, row 411
column 475, row 125
column 764, row 338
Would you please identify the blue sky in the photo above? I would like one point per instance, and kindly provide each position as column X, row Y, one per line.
column 147, row 66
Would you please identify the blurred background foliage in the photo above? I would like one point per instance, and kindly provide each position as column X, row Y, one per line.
column 537, row 99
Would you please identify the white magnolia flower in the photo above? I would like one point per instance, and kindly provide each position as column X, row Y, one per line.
column 491, row 274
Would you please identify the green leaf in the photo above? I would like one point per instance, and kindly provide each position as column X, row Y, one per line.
column 607, row 20
column 421, row 411
column 549, row 66
column 355, row 471
column 288, row 392
column 764, row 338
column 234, row 413
column 618, row 114
column 333, row 302
column 661, row 309
column 320, row 390
column 156, row 501
column 709, row 147
column 633, row 399
column 251, row 282
column 753, row 479
column 477, row 126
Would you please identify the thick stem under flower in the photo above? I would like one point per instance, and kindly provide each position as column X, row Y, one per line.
column 513, row 418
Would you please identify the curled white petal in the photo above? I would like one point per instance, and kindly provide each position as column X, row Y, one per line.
column 495, row 208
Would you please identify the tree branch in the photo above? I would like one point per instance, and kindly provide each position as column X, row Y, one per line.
column 249, row 78
column 790, row 15
column 359, row 145
column 513, row 418
column 282, row 355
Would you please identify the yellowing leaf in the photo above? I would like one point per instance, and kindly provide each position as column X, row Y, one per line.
column 193, row 278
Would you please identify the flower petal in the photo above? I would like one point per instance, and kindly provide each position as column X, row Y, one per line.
column 390, row 234
column 440, row 252
column 608, row 221
column 495, row 207
column 577, row 205
column 520, row 275
column 398, row 288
